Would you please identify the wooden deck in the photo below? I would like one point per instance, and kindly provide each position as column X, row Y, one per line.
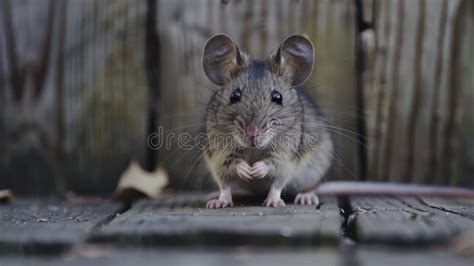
column 179, row 231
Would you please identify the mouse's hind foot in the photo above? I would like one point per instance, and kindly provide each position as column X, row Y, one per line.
column 274, row 199
column 307, row 198
column 274, row 202
column 224, row 200
column 219, row 203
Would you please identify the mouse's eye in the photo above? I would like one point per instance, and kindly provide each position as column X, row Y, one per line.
column 276, row 97
column 235, row 95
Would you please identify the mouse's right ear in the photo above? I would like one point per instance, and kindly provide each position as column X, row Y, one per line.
column 221, row 59
column 294, row 59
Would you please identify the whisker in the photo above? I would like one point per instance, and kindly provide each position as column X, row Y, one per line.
column 337, row 128
column 184, row 127
column 200, row 156
column 339, row 161
column 341, row 134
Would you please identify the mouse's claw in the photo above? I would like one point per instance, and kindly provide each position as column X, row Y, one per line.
column 219, row 203
column 274, row 202
column 308, row 198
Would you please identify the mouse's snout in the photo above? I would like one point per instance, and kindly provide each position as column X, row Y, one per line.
column 251, row 132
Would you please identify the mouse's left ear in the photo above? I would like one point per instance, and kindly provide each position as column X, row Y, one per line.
column 294, row 59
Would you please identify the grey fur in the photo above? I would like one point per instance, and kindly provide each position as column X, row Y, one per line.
column 293, row 141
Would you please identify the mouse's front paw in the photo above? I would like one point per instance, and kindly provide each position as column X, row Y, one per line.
column 259, row 170
column 274, row 202
column 219, row 203
column 244, row 171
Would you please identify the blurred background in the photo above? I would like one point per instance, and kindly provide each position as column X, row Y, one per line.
column 83, row 84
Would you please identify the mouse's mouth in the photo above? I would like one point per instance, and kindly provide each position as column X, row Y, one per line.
column 258, row 142
column 252, row 141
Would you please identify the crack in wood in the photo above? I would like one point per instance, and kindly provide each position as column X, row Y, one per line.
column 444, row 209
column 348, row 217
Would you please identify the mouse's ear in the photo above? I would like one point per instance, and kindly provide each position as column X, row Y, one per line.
column 221, row 59
column 294, row 59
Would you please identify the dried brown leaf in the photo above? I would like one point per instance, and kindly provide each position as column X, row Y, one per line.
column 5, row 196
column 135, row 182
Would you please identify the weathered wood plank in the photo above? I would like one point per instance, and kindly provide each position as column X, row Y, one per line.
column 73, row 94
column 417, row 91
column 72, row 100
column 50, row 226
column 467, row 83
column 163, row 223
column 106, row 256
column 406, row 221
column 27, row 150
column 371, row 256
column 111, row 256
column 461, row 207
column 106, row 93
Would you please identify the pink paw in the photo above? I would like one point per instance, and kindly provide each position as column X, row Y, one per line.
column 274, row 202
column 308, row 198
column 259, row 170
column 219, row 203
column 244, row 171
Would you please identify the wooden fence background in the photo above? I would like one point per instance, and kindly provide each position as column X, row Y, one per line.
column 83, row 84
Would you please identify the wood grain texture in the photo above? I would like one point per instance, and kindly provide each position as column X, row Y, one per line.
column 27, row 154
column 172, row 222
column 50, row 225
column 77, row 104
column 418, row 124
column 175, row 230
column 410, row 221
column 179, row 256
column 243, row 256
column 467, row 100
column 73, row 92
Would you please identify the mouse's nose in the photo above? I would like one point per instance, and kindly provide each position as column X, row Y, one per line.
column 251, row 130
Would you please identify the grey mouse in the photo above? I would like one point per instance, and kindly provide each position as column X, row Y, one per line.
column 264, row 133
